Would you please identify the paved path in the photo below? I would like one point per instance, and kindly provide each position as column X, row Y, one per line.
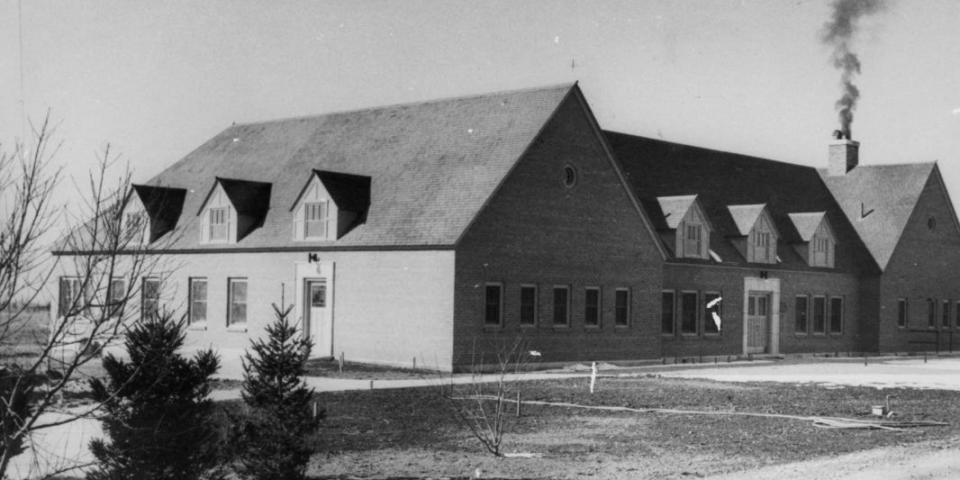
column 887, row 372
column 330, row 384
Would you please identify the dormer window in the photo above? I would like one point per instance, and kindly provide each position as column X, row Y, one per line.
column 316, row 219
column 151, row 212
column 218, row 224
column 330, row 205
column 817, row 243
column 233, row 209
column 755, row 224
column 686, row 221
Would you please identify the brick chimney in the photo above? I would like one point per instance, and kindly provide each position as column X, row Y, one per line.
column 844, row 155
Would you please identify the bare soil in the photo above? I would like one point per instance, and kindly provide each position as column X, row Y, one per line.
column 411, row 433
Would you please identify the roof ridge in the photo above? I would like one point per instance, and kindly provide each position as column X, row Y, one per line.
column 728, row 152
column 557, row 86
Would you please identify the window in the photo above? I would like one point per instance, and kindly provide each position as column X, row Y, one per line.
column 931, row 313
column 693, row 241
column 712, row 313
column 561, row 306
column 800, row 314
column 149, row 297
column 316, row 219
column 621, row 307
column 667, row 312
column 688, row 313
column 237, row 298
column 116, row 295
column 198, row 300
column 903, row 312
column 493, row 305
column 69, row 296
column 822, row 255
column 956, row 312
column 945, row 321
column 569, row 176
column 528, row 305
column 762, row 247
column 819, row 314
column 591, row 307
column 836, row 314
column 218, row 224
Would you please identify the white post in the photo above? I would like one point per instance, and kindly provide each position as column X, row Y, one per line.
column 593, row 376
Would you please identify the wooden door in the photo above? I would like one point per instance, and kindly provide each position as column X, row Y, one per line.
column 758, row 322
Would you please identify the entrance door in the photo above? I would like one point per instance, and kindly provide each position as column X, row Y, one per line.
column 317, row 325
column 758, row 322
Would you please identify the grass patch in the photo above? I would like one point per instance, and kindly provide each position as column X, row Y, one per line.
column 410, row 432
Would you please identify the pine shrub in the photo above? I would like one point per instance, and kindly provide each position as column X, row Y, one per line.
column 279, row 419
column 159, row 420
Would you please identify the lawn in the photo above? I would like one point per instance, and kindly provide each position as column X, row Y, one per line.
column 411, row 432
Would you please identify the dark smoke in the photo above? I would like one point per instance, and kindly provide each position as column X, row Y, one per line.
column 838, row 33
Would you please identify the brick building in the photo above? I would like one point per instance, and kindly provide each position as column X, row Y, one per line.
column 439, row 232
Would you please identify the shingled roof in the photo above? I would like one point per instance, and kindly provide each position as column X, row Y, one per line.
column 657, row 168
column 878, row 200
column 433, row 165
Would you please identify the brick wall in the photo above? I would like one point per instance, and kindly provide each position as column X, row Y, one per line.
column 925, row 264
column 537, row 231
column 729, row 283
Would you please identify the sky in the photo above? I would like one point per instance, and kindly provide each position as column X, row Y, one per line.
column 157, row 79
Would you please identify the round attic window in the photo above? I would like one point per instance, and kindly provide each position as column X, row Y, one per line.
column 932, row 223
column 569, row 176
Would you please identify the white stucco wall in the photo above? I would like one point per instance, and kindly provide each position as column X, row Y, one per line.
column 389, row 306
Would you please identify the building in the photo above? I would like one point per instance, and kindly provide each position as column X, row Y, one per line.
column 438, row 233
column 435, row 233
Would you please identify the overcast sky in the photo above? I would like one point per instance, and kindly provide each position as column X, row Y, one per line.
column 157, row 79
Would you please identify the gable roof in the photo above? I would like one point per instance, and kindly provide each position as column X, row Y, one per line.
column 878, row 201
column 745, row 216
column 433, row 164
column 806, row 223
column 658, row 168
column 247, row 197
column 163, row 205
column 349, row 192
column 675, row 207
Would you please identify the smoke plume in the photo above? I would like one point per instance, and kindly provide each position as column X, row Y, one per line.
column 838, row 33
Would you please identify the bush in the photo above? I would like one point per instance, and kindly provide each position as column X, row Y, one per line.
column 158, row 418
column 278, row 419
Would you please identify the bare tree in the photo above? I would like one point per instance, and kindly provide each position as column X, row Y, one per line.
column 482, row 404
column 102, row 259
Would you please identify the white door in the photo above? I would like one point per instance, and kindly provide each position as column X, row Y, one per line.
column 317, row 324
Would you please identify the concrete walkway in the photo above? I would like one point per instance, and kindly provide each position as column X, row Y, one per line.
column 885, row 372
column 330, row 384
